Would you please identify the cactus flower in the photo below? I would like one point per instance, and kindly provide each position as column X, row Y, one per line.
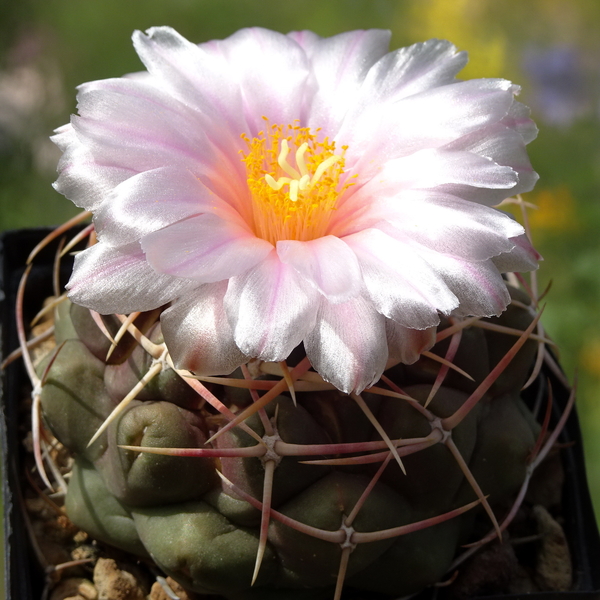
column 286, row 189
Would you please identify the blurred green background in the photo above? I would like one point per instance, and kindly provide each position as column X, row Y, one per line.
column 550, row 47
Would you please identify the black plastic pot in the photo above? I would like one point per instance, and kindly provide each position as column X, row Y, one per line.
column 24, row 578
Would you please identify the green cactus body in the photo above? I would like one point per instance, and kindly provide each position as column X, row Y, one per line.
column 205, row 531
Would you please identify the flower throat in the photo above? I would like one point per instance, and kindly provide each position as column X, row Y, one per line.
column 294, row 181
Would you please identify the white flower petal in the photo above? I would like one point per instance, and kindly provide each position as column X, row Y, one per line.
column 420, row 123
column 523, row 257
column 478, row 285
column 272, row 72
column 120, row 280
column 450, row 225
column 138, row 126
column 406, row 345
column 348, row 344
column 205, row 248
column 410, row 71
column 339, row 65
column 199, row 77
column 64, row 136
column 327, row 263
column 504, row 146
column 427, row 169
column 401, row 285
column 198, row 335
column 86, row 181
column 152, row 200
column 518, row 118
column 271, row 308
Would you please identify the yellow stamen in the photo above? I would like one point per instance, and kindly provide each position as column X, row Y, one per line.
column 293, row 202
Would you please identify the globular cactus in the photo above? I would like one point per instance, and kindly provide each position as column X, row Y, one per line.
column 289, row 221
column 314, row 490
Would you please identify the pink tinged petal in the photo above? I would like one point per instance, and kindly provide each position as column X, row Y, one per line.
column 327, row 263
column 271, row 308
column 518, row 118
column 412, row 70
column 119, row 280
column 431, row 168
column 406, row 345
column 64, row 136
column 478, row 285
column 505, row 147
column 430, row 119
column 152, row 200
column 198, row 335
column 86, row 181
column 197, row 75
column 348, row 344
column 444, row 170
column 339, row 64
column 273, row 74
column 523, row 257
column 401, row 285
column 140, row 127
column 449, row 225
column 205, row 248
column 467, row 106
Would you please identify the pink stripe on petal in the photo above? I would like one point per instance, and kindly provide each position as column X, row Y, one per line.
column 412, row 70
column 153, row 200
column 523, row 257
column 467, row 106
column 198, row 334
column 348, row 344
column 271, row 308
column 450, row 225
column 401, row 285
column 504, row 146
column 205, row 248
column 200, row 78
column 273, row 74
column 85, row 180
column 143, row 127
column 119, row 280
column 339, row 64
column 327, row 263
column 478, row 285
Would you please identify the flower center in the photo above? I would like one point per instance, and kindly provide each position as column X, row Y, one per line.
column 292, row 198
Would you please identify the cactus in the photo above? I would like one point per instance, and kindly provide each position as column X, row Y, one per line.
column 317, row 388
column 311, row 491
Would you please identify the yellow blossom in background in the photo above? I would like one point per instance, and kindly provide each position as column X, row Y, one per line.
column 590, row 358
column 467, row 23
column 556, row 211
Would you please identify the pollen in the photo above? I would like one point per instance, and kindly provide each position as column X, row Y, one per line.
column 295, row 179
